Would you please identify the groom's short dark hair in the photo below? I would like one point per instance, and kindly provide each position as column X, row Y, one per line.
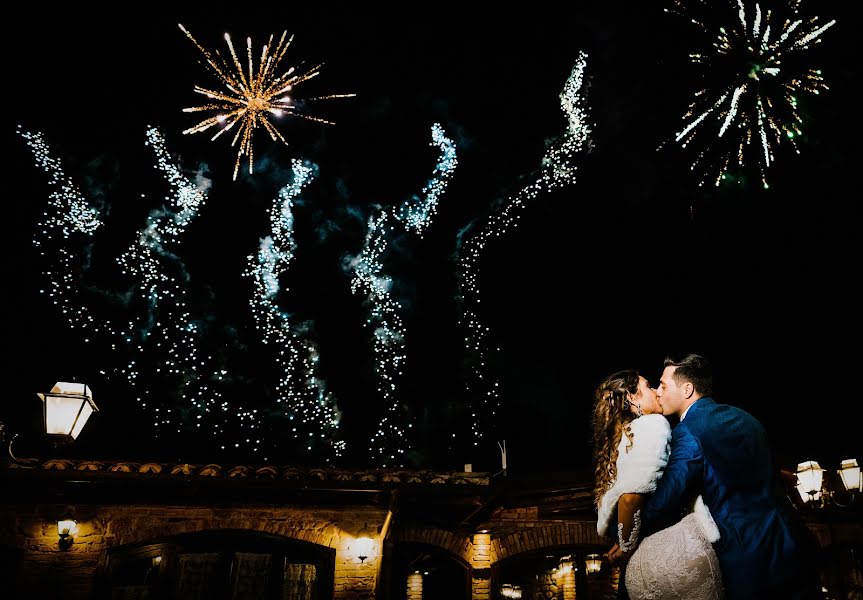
column 695, row 369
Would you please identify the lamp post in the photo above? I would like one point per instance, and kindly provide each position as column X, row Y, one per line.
column 66, row 409
column 829, row 495
column 593, row 563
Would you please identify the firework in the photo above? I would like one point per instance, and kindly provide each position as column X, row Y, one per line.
column 251, row 97
column 303, row 394
column 167, row 340
column 389, row 443
column 558, row 169
column 71, row 218
column 752, row 74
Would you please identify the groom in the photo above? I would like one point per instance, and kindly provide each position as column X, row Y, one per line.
column 765, row 551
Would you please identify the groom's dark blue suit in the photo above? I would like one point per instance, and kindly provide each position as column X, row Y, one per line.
column 721, row 452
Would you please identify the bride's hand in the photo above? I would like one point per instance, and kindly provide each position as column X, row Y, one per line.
column 615, row 556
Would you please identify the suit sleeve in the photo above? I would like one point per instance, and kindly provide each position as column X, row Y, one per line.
column 678, row 485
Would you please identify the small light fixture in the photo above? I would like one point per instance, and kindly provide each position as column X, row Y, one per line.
column 818, row 492
column 363, row 543
column 566, row 565
column 66, row 529
column 516, row 592
column 850, row 474
column 810, row 475
column 506, row 590
column 66, row 409
column 593, row 563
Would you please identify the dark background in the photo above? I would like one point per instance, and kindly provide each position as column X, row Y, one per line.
column 632, row 262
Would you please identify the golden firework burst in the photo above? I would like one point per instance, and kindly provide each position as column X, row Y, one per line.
column 252, row 98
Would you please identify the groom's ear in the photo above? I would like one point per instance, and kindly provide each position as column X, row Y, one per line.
column 688, row 390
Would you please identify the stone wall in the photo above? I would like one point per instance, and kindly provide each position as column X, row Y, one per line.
column 47, row 569
column 50, row 569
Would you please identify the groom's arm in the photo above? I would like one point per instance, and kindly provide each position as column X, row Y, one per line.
column 665, row 506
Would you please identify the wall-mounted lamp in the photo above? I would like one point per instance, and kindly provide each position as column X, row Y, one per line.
column 66, row 529
column 814, row 489
column 508, row 590
column 593, row 563
column 364, row 543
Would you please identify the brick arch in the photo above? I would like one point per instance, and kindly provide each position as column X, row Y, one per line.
column 453, row 543
column 135, row 529
column 549, row 536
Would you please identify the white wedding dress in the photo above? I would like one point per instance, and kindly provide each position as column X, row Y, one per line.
column 678, row 562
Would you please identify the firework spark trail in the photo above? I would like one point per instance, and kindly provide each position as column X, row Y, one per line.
column 162, row 284
column 252, row 99
column 417, row 214
column 303, row 393
column 389, row 443
column 71, row 218
column 558, row 169
column 746, row 109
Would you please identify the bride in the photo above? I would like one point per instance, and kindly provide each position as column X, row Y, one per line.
column 631, row 448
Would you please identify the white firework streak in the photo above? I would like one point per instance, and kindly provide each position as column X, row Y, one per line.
column 70, row 218
column 161, row 280
column 303, row 393
column 418, row 214
column 389, row 443
column 558, row 169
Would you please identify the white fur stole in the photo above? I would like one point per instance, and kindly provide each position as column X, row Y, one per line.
column 639, row 468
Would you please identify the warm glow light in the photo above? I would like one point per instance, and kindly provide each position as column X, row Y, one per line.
column 809, row 477
column 363, row 548
column 850, row 474
column 67, row 407
column 67, row 527
column 593, row 563
column 364, row 545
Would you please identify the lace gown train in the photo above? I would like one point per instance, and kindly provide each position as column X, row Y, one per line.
column 677, row 563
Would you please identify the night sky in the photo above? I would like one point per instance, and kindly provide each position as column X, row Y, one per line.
column 632, row 262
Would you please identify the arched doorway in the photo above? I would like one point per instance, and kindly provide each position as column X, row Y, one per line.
column 557, row 573
column 218, row 565
column 439, row 574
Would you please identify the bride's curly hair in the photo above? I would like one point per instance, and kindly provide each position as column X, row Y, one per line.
column 611, row 418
